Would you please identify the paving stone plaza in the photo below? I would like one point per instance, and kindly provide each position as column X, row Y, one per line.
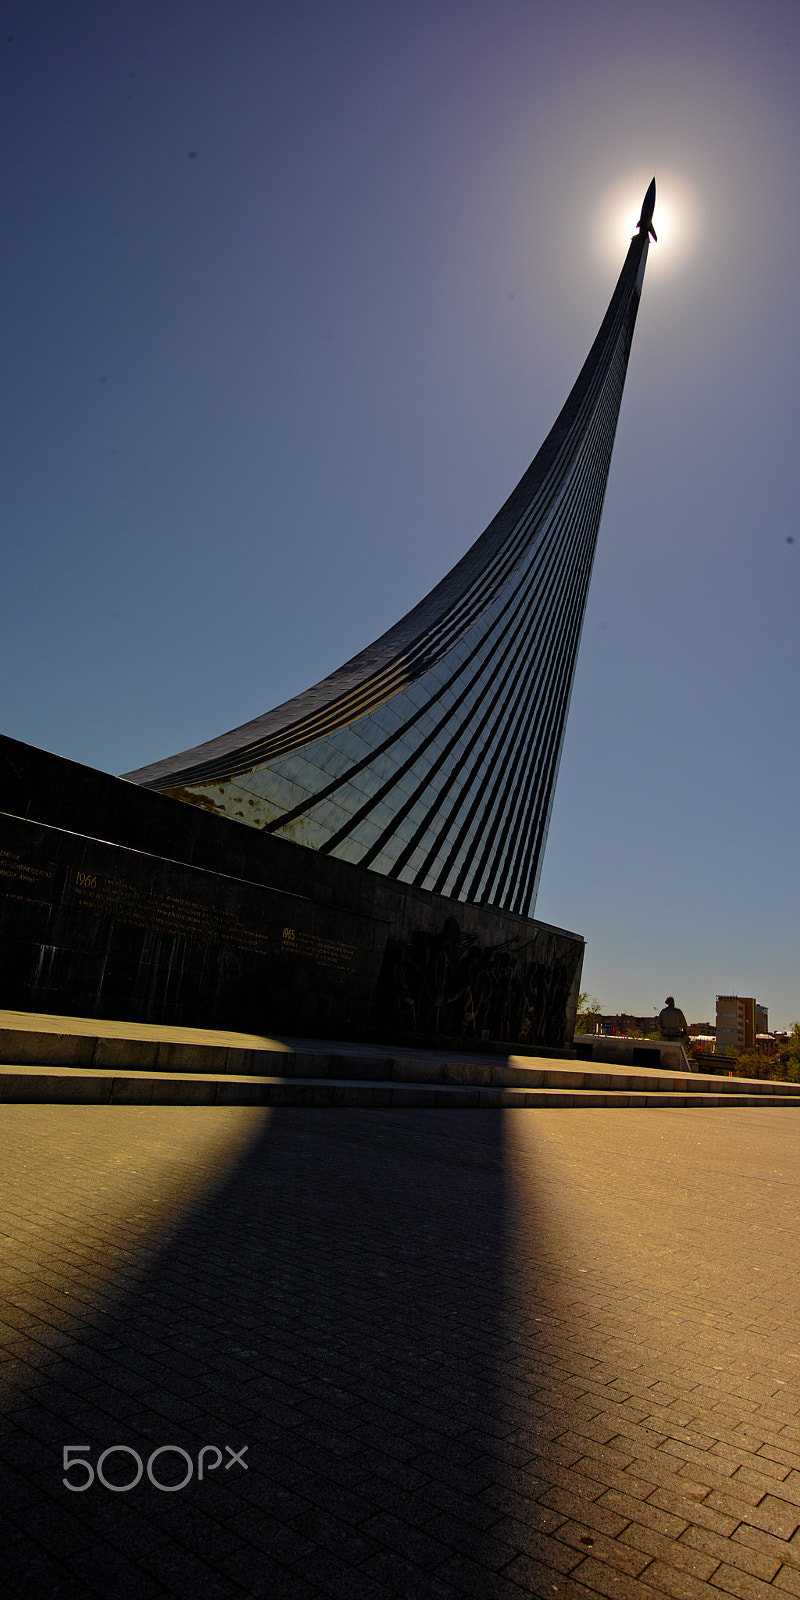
column 493, row 1354
column 392, row 1295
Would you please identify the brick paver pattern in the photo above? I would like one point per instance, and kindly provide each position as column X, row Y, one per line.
column 497, row 1354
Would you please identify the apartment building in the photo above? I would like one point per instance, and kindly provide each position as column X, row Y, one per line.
column 739, row 1020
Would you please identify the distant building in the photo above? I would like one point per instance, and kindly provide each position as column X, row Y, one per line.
column 703, row 1044
column 739, row 1020
column 621, row 1025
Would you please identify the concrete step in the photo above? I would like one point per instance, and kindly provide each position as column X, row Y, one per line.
column 85, row 1042
column 62, row 1060
column 74, row 1086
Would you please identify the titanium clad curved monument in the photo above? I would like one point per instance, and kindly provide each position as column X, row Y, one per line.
column 419, row 777
column 432, row 756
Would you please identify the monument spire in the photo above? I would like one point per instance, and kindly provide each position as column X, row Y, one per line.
column 432, row 756
column 645, row 223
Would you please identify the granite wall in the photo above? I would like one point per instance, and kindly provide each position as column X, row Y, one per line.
column 120, row 902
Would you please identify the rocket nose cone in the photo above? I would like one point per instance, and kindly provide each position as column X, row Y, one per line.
column 646, row 219
column 649, row 200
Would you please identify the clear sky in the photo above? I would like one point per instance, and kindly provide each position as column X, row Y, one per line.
column 292, row 292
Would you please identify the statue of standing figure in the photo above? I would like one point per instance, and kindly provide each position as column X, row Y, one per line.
column 672, row 1024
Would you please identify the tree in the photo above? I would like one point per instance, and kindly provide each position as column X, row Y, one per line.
column 587, row 1007
column 789, row 1055
column 781, row 1065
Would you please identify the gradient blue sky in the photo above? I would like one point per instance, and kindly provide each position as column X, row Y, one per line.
column 293, row 292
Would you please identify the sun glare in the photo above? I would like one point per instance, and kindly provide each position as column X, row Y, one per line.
column 674, row 218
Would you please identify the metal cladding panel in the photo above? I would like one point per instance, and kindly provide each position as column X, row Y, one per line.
column 432, row 757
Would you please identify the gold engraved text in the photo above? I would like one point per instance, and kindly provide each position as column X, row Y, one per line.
column 133, row 907
column 323, row 952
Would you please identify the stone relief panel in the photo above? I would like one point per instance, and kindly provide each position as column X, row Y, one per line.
column 445, row 983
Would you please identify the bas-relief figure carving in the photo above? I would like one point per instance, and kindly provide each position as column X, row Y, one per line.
column 444, row 983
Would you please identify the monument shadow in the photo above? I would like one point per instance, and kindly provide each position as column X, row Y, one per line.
column 340, row 1303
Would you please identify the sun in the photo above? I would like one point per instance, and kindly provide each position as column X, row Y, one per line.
column 674, row 219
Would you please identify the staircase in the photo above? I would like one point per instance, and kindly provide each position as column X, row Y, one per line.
column 79, row 1061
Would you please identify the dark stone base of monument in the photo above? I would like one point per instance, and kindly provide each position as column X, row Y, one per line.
column 121, row 903
column 108, row 932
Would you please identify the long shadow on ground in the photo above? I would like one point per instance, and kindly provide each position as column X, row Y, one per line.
column 338, row 1304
